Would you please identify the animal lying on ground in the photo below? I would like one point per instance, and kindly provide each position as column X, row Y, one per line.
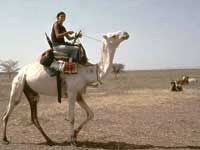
column 178, row 84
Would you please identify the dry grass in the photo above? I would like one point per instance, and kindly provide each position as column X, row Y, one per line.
column 137, row 111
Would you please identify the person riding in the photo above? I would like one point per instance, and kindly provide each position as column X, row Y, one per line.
column 58, row 34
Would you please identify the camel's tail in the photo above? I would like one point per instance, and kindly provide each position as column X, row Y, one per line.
column 18, row 85
column 16, row 90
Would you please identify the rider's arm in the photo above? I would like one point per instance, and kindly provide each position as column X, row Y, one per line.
column 68, row 36
column 60, row 35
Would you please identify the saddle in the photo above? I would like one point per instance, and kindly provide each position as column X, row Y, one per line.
column 48, row 57
column 70, row 67
column 52, row 60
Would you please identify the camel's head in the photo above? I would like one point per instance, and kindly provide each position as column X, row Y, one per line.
column 110, row 42
column 114, row 39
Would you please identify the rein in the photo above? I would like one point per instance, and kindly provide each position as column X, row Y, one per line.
column 92, row 38
column 97, row 66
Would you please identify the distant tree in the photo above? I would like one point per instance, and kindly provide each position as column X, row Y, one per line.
column 117, row 68
column 9, row 67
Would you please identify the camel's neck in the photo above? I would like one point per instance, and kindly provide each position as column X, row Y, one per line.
column 105, row 65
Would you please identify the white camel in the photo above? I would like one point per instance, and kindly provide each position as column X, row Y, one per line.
column 33, row 80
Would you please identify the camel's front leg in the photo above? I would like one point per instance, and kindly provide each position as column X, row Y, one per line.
column 72, row 100
column 90, row 114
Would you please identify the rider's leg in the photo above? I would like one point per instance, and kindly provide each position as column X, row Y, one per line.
column 70, row 51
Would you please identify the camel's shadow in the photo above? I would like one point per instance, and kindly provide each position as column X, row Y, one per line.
column 122, row 145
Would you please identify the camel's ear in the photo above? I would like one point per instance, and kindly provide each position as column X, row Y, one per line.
column 105, row 36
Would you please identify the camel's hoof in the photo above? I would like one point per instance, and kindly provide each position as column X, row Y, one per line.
column 50, row 143
column 66, row 119
column 5, row 142
column 73, row 141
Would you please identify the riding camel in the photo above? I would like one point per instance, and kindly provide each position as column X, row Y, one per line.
column 33, row 80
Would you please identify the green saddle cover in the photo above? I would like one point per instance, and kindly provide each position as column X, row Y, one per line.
column 51, row 71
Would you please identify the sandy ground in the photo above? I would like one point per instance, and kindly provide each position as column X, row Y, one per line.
column 137, row 111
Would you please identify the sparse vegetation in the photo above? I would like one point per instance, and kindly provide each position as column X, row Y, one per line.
column 117, row 68
column 9, row 67
column 138, row 111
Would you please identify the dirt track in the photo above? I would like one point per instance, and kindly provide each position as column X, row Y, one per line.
column 143, row 115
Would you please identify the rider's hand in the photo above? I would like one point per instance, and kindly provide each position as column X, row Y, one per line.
column 70, row 32
column 66, row 33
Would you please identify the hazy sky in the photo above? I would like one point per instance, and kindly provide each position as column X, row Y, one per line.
column 163, row 33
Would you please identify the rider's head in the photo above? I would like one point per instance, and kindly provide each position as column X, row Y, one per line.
column 61, row 16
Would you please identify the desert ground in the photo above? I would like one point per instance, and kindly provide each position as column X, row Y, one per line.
column 135, row 111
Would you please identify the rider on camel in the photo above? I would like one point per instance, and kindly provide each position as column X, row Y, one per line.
column 71, row 50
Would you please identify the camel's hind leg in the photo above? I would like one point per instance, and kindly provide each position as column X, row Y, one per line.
column 33, row 99
column 15, row 96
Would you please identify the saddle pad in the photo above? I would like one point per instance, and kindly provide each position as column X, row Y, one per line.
column 70, row 68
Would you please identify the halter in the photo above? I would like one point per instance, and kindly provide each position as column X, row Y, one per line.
column 97, row 71
column 97, row 66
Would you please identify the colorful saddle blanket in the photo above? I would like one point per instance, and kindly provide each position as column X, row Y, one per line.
column 49, row 56
column 69, row 68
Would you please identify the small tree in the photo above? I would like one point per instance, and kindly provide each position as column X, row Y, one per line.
column 9, row 67
column 117, row 68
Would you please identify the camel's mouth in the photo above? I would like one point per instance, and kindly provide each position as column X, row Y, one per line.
column 125, row 36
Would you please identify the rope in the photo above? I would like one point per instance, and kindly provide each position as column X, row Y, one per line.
column 92, row 38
